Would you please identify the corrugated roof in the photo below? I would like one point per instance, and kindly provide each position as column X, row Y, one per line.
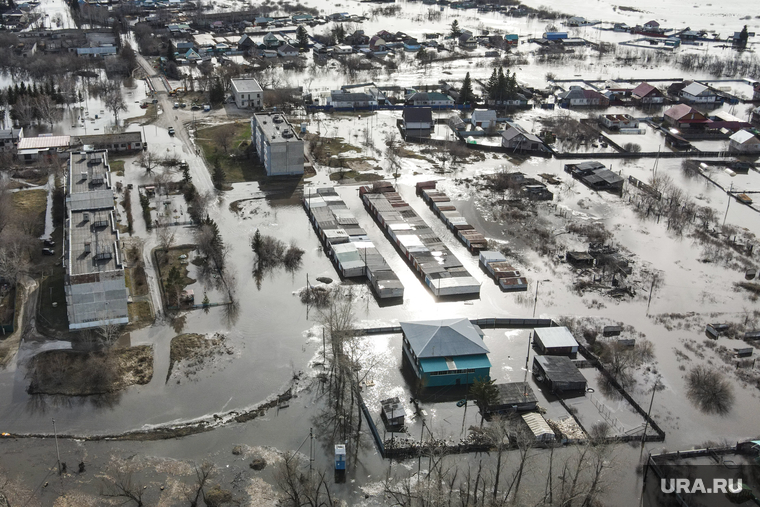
column 538, row 426
column 555, row 337
column 44, row 142
column 444, row 338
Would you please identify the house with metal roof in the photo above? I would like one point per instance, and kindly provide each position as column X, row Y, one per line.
column 744, row 141
column 341, row 99
column 517, row 139
column 559, row 373
column 647, row 94
column 434, row 99
column 34, row 148
column 698, row 93
column 596, row 176
column 578, row 97
column 555, row 341
column 446, row 352
column 684, row 116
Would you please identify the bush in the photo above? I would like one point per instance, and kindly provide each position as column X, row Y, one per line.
column 632, row 147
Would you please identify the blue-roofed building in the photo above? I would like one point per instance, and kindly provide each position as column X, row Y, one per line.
column 446, row 352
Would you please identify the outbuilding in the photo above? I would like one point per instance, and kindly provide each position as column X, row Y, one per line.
column 559, row 373
column 555, row 341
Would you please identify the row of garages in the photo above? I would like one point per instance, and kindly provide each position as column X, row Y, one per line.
column 425, row 252
column 447, row 212
column 348, row 245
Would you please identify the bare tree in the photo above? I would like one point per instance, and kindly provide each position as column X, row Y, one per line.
column 202, row 476
column 114, row 101
column 148, row 161
column 299, row 488
column 47, row 110
column 122, row 486
column 223, row 135
column 165, row 235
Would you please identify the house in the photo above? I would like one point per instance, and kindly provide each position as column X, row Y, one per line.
column 578, row 97
column 246, row 43
column 698, row 93
column 512, row 397
column 559, row 373
column 183, row 46
column 435, row 99
column 484, row 118
column 647, row 94
column 537, row 192
column 192, row 56
column 277, row 144
column 467, row 41
column 377, row 43
column 744, row 141
column 411, row 45
column 683, row 116
column 343, row 50
column 446, row 352
column 417, row 122
column 247, row 93
column 596, row 176
column 287, row 51
column 12, row 17
column 618, row 121
column 517, row 139
column 94, row 282
column 652, row 26
column 538, row 426
column 272, row 41
column 555, row 341
column 341, row 99
column 9, row 139
column 301, row 18
column 576, row 21
column 512, row 39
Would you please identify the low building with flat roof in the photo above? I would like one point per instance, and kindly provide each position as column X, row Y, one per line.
column 94, row 284
column 247, row 93
column 559, row 373
column 279, row 147
column 124, row 141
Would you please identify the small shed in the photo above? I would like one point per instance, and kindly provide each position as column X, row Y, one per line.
column 559, row 373
column 539, row 427
column 555, row 341
column 513, row 397
column 580, row 259
column 612, row 331
column 752, row 335
column 393, row 413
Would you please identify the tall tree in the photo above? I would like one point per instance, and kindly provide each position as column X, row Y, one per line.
column 455, row 30
column 466, row 95
column 302, row 36
column 114, row 101
column 743, row 36
column 170, row 52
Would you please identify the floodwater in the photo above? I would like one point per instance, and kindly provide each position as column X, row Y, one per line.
column 272, row 335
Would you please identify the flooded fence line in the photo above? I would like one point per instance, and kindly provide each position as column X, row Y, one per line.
column 488, row 323
column 660, row 434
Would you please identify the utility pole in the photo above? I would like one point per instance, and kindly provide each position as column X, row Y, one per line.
column 535, row 301
column 729, row 202
column 646, row 422
column 57, row 451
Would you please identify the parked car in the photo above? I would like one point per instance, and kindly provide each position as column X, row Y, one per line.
column 176, row 105
column 49, row 242
column 183, row 164
column 207, row 107
column 48, row 251
column 182, row 105
column 196, row 107
column 171, row 131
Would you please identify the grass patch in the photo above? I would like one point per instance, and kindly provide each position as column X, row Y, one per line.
column 140, row 313
column 347, row 176
column 74, row 373
column 193, row 348
column 117, row 166
column 239, row 163
column 324, row 148
column 32, row 204
column 137, row 282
